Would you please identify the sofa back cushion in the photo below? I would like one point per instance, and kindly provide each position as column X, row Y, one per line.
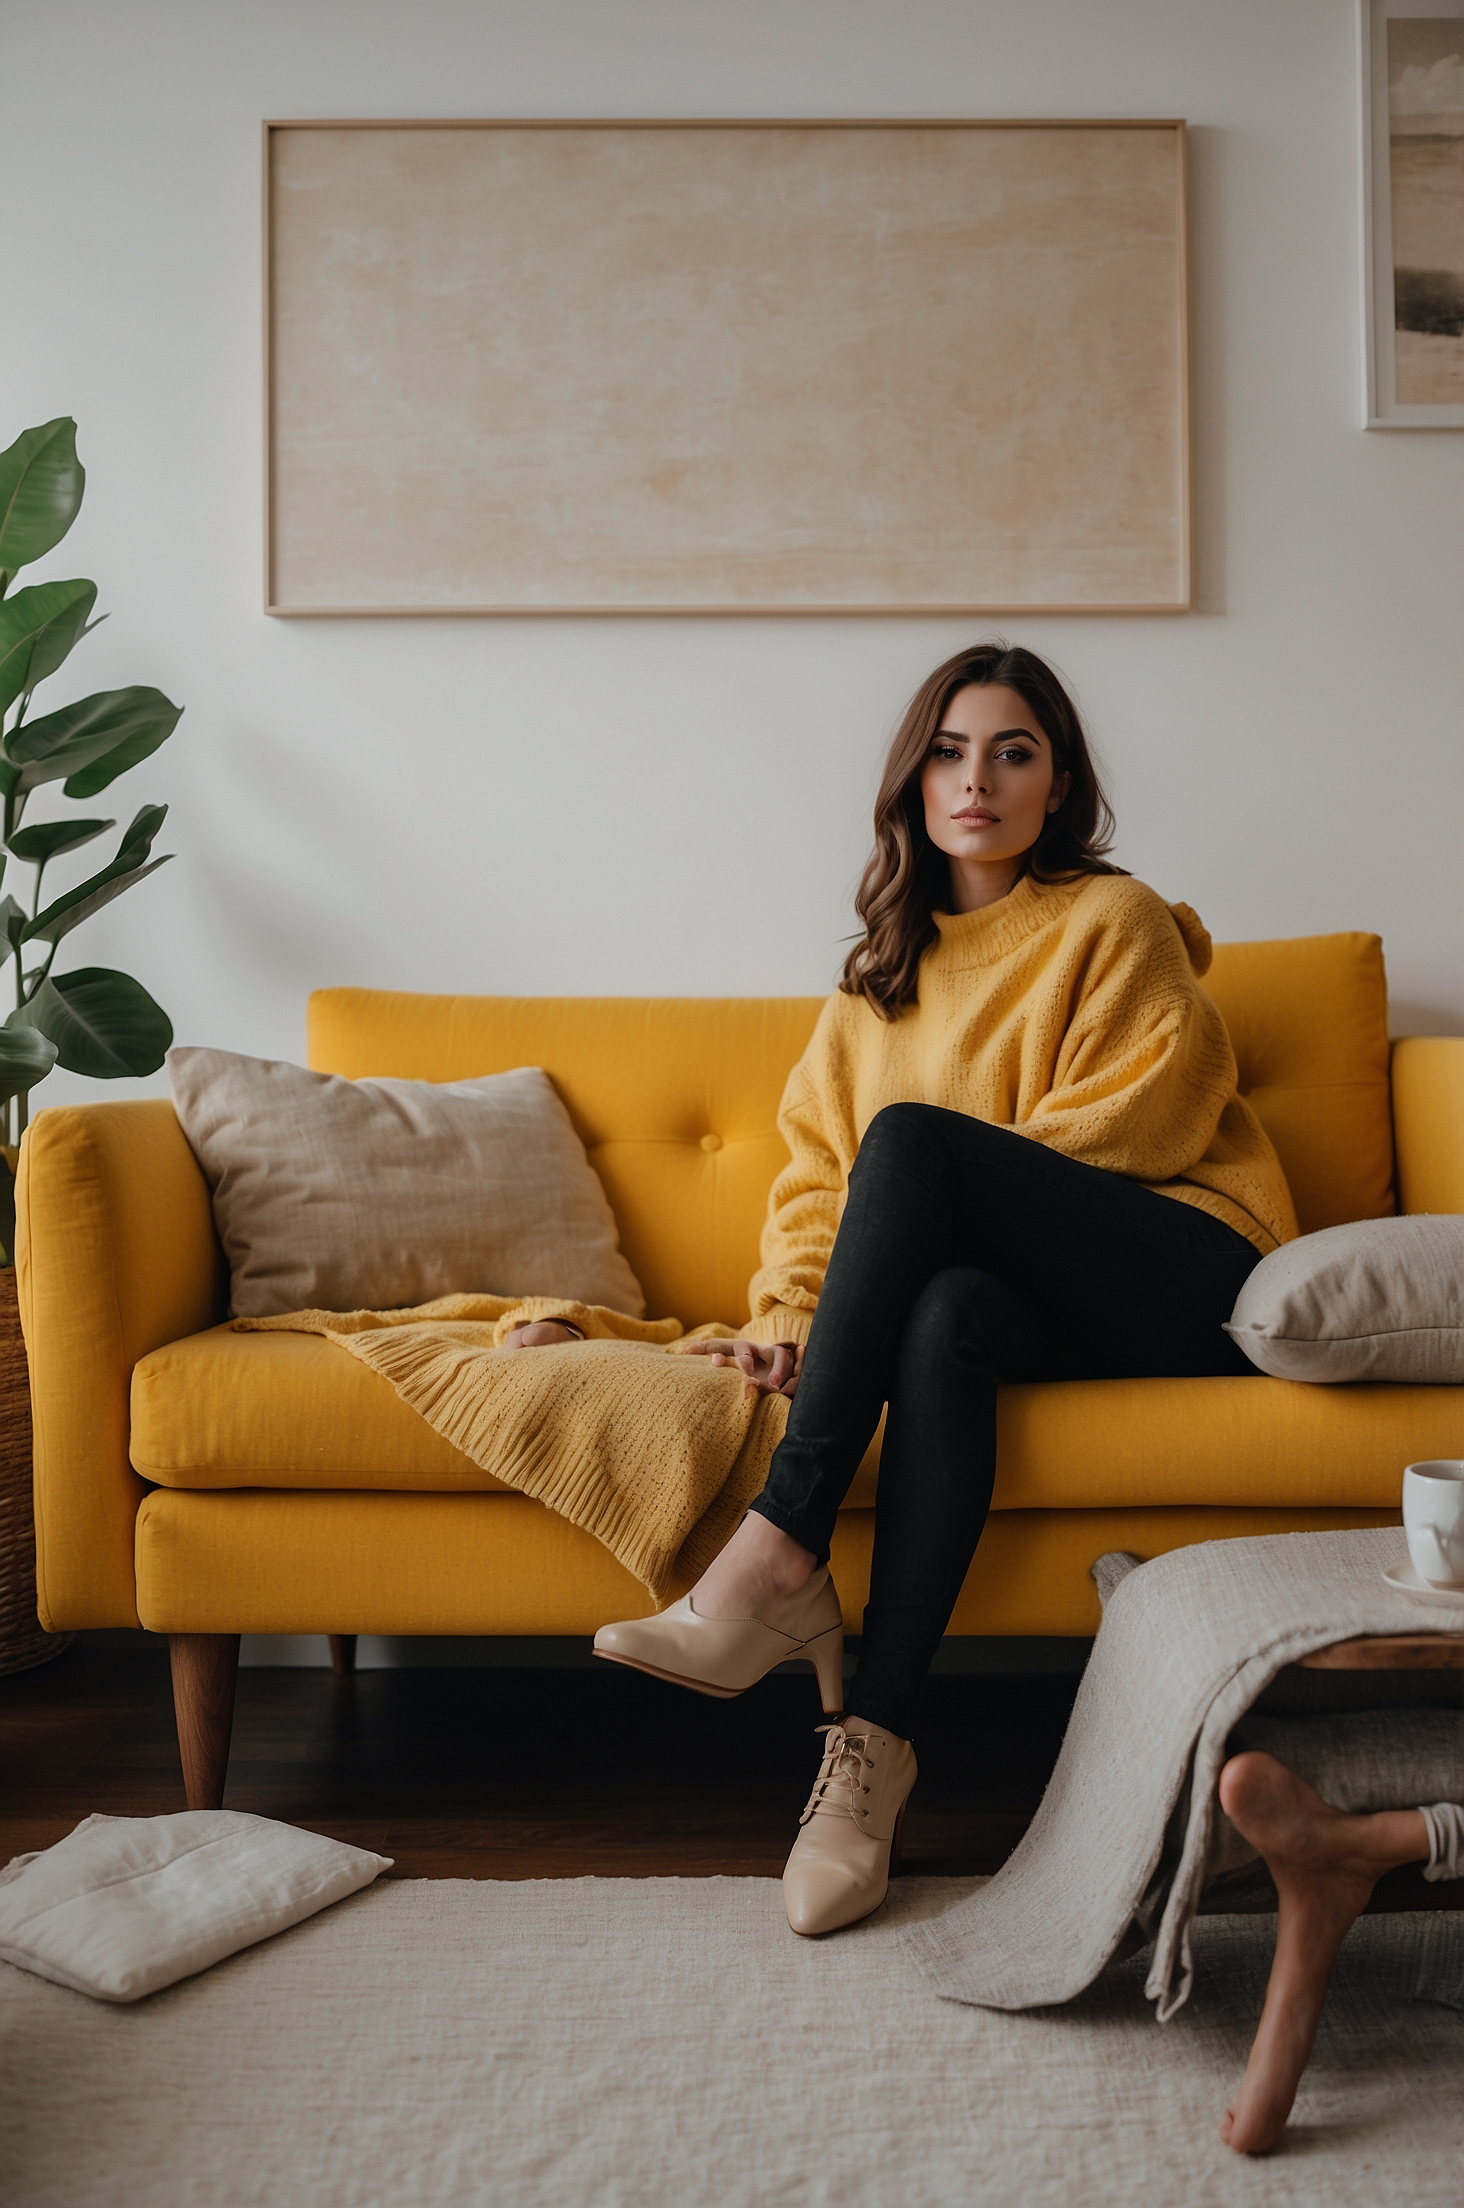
column 676, row 1098
column 1309, row 1022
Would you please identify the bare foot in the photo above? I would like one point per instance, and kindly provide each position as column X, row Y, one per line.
column 756, row 1574
column 1325, row 1865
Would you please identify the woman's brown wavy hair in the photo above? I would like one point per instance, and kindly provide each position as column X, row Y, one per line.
column 907, row 879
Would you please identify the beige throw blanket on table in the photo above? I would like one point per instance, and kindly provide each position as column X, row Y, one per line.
column 655, row 1453
column 1189, row 1642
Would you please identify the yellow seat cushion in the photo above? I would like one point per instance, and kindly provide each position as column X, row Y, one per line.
column 475, row 1564
column 1249, row 1442
column 352, row 1563
column 1032, row 1572
column 282, row 1410
column 227, row 1410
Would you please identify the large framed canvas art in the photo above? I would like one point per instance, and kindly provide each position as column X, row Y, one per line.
column 1412, row 78
column 721, row 368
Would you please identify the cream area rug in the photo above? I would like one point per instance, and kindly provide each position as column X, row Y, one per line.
column 615, row 2043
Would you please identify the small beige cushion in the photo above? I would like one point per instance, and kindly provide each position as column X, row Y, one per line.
column 1382, row 1299
column 124, row 1905
column 335, row 1195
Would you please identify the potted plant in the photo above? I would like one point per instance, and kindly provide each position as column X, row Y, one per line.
column 88, row 1019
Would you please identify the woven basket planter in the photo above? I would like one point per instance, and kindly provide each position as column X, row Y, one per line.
column 23, row 1641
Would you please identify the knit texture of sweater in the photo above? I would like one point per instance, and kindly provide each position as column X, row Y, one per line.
column 1068, row 1011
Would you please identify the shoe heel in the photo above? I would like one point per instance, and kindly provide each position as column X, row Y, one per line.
column 826, row 1655
column 898, row 1836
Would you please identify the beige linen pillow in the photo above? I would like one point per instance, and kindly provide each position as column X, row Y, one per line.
column 1382, row 1299
column 340, row 1195
column 124, row 1905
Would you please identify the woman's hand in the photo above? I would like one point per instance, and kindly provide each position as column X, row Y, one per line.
column 541, row 1334
column 767, row 1368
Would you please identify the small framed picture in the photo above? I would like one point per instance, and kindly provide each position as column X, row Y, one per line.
column 1412, row 82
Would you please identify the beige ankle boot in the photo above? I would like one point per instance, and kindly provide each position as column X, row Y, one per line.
column 726, row 1656
column 839, row 1870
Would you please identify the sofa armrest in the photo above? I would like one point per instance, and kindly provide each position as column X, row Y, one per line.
column 115, row 1254
column 1428, row 1122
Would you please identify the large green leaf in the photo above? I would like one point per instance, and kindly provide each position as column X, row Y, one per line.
column 139, row 745
column 103, row 1023
column 93, row 741
column 68, row 911
column 13, row 918
column 58, row 642
column 41, row 482
column 49, row 838
column 26, row 1057
column 38, row 627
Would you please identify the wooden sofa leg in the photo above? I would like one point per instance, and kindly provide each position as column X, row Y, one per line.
column 342, row 1653
column 205, row 1668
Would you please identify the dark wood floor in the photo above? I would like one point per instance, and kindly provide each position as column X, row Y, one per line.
column 530, row 1774
column 518, row 1774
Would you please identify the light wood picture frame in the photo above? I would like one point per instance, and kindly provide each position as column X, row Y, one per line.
column 1411, row 81
column 726, row 368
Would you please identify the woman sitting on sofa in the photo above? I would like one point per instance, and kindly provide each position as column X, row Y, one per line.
column 1018, row 1153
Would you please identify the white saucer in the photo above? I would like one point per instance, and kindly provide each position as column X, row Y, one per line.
column 1406, row 1580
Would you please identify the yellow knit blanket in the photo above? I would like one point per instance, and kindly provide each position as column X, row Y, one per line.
column 655, row 1453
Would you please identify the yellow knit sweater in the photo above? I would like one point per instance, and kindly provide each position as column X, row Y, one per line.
column 1071, row 1012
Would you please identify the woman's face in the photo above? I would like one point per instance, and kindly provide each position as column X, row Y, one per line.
column 988, row 783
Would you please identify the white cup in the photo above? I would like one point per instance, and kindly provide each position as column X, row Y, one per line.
column 1433, row 1519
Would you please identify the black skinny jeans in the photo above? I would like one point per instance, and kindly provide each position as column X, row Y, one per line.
column 968, row 1254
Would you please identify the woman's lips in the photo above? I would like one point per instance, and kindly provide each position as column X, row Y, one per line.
column 977, row 818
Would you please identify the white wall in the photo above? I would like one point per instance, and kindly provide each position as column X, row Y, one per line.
column 681, row 806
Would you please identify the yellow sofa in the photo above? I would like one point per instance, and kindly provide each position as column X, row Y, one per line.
column 205, row 1483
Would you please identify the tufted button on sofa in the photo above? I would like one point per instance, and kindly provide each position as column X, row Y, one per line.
column 205, row 1483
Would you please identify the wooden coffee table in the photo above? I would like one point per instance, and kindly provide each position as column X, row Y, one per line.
column 1390, row 1652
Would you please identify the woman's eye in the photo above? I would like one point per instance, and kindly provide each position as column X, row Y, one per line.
column 945, row 751
column 1017, row 752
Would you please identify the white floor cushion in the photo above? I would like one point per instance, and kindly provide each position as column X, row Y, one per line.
column 124, row 1905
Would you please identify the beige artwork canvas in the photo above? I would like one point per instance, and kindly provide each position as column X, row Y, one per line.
column 700, row 368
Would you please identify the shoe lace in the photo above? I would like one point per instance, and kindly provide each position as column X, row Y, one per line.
column 841, row 1785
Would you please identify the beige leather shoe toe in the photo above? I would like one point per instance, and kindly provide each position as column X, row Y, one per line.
column 726, row 1656
column 839, row 1870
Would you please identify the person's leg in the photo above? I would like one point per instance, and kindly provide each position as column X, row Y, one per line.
column 966, row 1331
column 1089, row 1274
column 900, row 1227
column 935, row 1478
column 1098, row 1278
column 1325, row 1865
column 1130, row 1282
column 1109, row 1279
